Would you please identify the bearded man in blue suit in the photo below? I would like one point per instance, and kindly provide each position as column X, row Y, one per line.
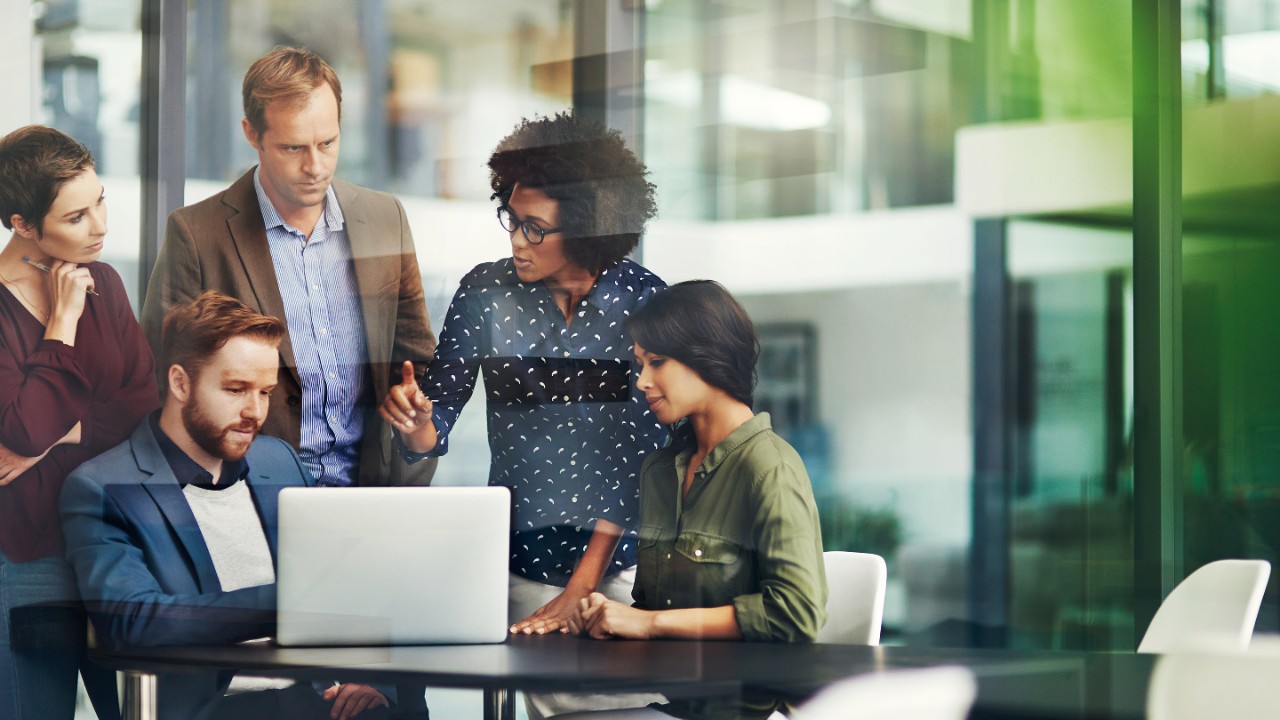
column 173, row 533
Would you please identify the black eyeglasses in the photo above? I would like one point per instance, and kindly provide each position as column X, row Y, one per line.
column 534, row 234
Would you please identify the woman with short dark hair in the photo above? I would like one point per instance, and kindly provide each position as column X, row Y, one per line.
column 729, row 541
column 76, row 377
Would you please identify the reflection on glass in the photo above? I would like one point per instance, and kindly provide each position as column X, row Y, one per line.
column 827, row 162
column 1231, row 396
column 91, row 73
column 428, row 90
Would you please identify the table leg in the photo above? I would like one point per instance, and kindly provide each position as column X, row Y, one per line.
column 499, row 704
column 139, row 696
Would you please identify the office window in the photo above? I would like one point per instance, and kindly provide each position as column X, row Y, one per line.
column 1231, row 394
column 828, row 162
column 80, row 63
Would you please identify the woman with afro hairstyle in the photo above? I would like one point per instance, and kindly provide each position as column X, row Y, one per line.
column 567, row 429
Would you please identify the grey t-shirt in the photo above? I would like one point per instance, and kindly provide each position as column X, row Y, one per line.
column 233, row 533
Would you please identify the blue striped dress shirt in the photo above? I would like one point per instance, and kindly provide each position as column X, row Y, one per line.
column 326, row 328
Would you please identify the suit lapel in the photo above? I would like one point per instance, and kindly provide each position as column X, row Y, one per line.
column 249, row 238
column 373, row 281
column 266, row 496
column 164, row 489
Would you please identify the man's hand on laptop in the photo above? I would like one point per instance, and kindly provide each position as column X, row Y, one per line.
column 351, row 699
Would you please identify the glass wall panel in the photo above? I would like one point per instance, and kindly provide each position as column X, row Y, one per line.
column 1071, row 547
column 88, row 84
column 827, row 160
column 76, row 66
column 1231, row 176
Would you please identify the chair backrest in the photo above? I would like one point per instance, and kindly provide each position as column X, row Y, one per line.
column 855, row 598
column 1224, row 684
column 941, row 693
column 1217, row 603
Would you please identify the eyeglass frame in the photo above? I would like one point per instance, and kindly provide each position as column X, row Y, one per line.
column 524, row 225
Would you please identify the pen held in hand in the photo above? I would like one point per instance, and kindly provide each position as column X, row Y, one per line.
column 45, row 268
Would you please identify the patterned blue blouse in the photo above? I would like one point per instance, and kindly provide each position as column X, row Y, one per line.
column 567, row 429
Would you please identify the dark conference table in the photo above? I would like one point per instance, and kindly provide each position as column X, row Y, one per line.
column 1011, row 683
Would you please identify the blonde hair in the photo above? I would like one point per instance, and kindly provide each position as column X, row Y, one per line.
column 287, row 75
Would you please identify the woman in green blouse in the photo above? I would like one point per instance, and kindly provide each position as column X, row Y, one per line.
column 729, row 546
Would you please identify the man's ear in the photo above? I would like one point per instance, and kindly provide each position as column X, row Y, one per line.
column 179, row 383
column 250, row 134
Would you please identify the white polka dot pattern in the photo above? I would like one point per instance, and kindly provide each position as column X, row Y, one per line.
column 568, row 430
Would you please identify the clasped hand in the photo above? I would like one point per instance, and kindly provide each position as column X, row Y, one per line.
column 603, row 619
column 351, row 699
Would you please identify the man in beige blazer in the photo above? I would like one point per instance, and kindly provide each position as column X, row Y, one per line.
column 335, row 261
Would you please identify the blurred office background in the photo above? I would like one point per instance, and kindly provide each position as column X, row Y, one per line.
column 927, row 206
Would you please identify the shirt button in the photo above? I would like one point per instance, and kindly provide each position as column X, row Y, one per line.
column 332, row 376
column 324, row 331
column 668, row 556
column 668, row 601
column 315, row 286
column 697, row 553
column 566, row 353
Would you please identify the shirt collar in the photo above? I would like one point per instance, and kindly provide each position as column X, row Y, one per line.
column 332, row 217
column 745, row 432
column 187, row 471
column 608, row 285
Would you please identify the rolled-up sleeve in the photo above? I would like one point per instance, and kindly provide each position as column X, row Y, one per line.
column 790, row 605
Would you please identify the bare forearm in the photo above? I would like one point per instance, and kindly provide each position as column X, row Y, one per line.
column 596, row 558
column 718, row 623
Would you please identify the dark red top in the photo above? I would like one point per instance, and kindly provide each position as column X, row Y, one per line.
column 106, row 382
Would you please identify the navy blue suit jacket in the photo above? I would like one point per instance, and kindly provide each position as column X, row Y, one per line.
column 143, row 567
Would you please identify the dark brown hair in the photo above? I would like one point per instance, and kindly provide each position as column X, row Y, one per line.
column 194, row 331
column 601, row 187
column 35, row 162
column 701, row 325
column 287, row 75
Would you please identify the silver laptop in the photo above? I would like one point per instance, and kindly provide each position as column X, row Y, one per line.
column 393, row 566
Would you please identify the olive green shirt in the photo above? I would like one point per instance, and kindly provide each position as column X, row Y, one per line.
column 745, row 535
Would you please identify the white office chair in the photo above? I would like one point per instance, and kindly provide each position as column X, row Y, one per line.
column 1224, row 684
column 855, row 598
column 1217, row 603
column 941, row 693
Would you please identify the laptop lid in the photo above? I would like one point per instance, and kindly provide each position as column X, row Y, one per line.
column 393, row 565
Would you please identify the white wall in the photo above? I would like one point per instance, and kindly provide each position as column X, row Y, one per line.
column 894, row 394
column 19, row 54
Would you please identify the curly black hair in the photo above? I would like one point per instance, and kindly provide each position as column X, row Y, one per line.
column 605, row 197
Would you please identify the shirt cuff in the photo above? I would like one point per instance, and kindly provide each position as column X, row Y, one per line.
column 748, row 610
column 410, row 457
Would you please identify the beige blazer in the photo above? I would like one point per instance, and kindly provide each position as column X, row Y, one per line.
column 220, row 243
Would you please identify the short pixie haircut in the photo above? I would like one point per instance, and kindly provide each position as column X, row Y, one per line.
column 194, row 331
column 604, row 196
column 35, row 162
column 285, row 75
column 702, row 326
